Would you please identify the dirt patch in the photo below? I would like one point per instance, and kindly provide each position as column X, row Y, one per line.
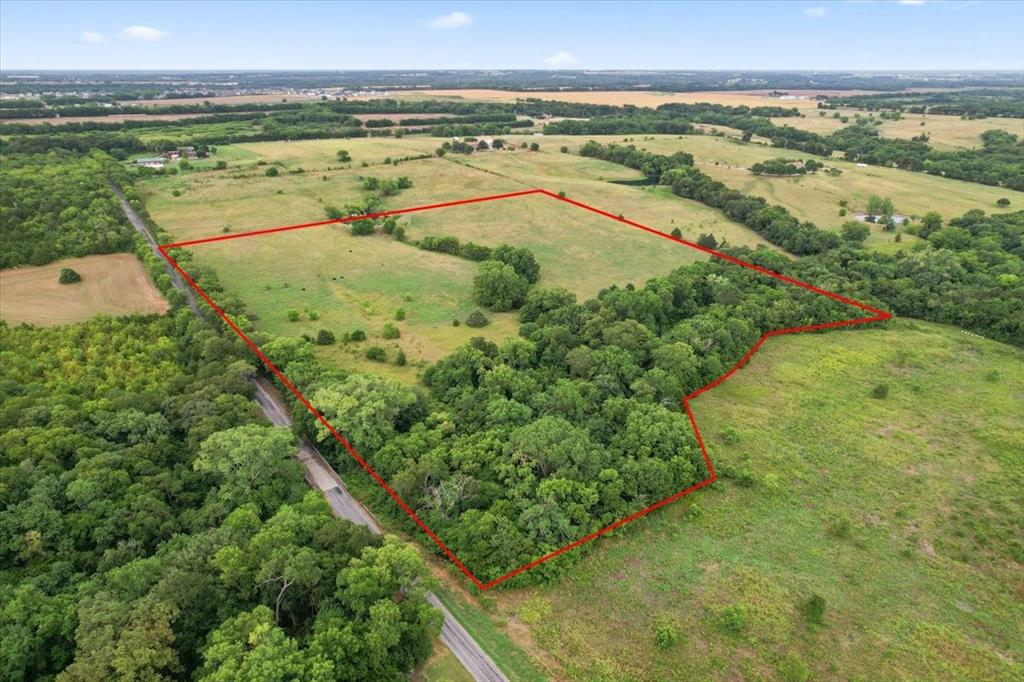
column 115, row 284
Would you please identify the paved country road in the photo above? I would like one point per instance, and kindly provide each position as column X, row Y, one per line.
column 324, row 478
column 143, row 229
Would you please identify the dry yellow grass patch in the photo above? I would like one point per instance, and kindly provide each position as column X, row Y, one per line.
column 114, row 284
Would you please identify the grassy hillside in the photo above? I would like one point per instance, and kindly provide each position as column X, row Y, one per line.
column 902, row 513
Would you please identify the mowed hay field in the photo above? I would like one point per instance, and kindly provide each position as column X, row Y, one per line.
column 903, row 514
column 945, row 132
column 114, row 284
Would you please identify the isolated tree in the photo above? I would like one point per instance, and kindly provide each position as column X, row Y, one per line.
column 69, row 276
column 344, row 156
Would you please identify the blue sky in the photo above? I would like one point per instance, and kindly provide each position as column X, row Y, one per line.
column 513, row 35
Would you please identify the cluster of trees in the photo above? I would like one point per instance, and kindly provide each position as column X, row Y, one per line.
column 785, row 167
column 774, row 223
column 979, row 103
column 55, row 206
column 153, row 529
column 522, row 447
column 388, row 186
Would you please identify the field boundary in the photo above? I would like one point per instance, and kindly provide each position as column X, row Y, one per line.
column 876, row 316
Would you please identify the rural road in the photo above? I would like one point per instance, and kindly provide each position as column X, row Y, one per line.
column 143, row 229
column 322, row 476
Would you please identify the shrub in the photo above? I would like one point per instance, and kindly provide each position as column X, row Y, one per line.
column 1003, row 202
column 271, row 172
column 176, row 193
column 361, row 228
column 842, row 212
column 455, row 323
column 665, row 636
column 221, row 165
column 477, row 319
column 814, row 609
column 399, row 233
column 534, row 147
column 733, row 618
column 293, row 315
column 677, row 233
column 400, row 314
column 390, row 331
column 343, row 156
column 313, row 315
column 400, row 359
column 880, row 392
column 793, row 669
column 68, row 276
column 841, row 528
column 357, row 335
column 377, row 354
column 333, row 213
column 325, row 337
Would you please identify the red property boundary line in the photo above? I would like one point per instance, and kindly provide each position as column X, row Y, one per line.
column 876, row 316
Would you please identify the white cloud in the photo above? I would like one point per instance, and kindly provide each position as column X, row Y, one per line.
column 92, row 37
column 560, row 59
column 146, row 34
column 814, row 12
column 453, row 20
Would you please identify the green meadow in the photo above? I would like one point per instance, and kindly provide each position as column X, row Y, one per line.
column 899, row 517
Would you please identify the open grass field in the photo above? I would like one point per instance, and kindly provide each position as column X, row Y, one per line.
column 816, row 197
column 359, row 282
column 114, row 284
column 903, row 514
column 945, row 132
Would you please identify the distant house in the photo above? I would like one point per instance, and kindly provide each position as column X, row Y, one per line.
column 151, row 162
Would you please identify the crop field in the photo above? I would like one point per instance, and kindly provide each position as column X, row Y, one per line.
column 115, row 284
column 945, row 132
column 902, row 514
